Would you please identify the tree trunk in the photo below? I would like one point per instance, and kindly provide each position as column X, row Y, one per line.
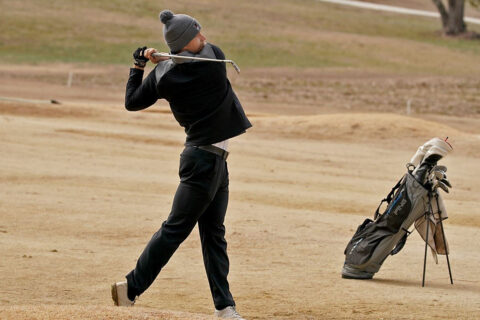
column 452, row 20
column 456, row 25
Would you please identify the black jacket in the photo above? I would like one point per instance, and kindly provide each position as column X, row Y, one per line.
column 200, row 96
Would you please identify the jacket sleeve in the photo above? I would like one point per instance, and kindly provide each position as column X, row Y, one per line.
column 140, row 95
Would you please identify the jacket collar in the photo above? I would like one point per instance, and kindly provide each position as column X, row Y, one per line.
column 206, row 52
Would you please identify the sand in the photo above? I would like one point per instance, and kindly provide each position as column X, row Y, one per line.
column 84, row 185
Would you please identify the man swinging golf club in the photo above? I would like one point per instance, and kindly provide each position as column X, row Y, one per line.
column 203, row 102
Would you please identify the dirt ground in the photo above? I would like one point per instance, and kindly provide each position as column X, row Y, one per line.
column 85, row 184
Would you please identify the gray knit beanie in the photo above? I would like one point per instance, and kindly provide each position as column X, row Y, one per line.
column 178, row 29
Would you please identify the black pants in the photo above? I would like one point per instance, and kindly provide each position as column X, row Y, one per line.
column 202, row 197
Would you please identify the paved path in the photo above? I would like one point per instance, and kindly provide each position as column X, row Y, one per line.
column 382, row 7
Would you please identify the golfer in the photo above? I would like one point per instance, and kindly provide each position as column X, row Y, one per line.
column 203, row 102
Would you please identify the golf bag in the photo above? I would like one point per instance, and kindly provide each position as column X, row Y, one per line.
column 407, row 202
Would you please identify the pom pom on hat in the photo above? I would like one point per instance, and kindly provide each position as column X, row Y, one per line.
column 165, row 15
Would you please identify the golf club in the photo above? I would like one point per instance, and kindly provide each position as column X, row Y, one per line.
column 157, row 54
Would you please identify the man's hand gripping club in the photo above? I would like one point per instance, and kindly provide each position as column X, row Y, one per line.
column 143, row 54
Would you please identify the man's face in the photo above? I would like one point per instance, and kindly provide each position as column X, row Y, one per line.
column 196, row 44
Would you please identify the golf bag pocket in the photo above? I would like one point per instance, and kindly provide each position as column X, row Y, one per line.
column 360, row 249
column 357, row 237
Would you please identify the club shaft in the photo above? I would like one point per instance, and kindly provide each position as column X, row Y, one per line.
column 157, row 54
column 188, row 58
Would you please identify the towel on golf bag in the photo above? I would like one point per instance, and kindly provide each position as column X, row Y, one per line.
column 407, row 202
column 436, row 237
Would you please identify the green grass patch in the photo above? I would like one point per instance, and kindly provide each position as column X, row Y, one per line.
column 284, row 33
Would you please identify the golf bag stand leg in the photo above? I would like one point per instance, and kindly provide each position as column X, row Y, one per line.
column 427, row 215
column 446, row 253
column 445, row 243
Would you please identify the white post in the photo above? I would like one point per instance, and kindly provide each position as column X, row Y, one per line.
column 70, row 79
column 409, row 107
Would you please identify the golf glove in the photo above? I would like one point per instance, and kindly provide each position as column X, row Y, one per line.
column 140, row 60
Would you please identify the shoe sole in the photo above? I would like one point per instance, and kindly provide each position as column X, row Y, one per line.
column 114, row 294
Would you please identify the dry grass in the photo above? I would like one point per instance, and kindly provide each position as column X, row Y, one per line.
column 276, row 90
column 290, row 33
column 424, row 5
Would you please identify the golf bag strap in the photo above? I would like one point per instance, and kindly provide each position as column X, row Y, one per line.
column 387, row 199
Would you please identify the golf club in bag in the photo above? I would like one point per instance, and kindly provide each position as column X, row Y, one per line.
column 415, row 198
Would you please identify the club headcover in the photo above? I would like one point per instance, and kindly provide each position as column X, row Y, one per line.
column 434, row 148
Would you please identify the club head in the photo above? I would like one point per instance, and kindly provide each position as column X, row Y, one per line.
column 443, row 186
column 446, row 182
column 440, row 168
column 235, row 66
column 439, row 175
